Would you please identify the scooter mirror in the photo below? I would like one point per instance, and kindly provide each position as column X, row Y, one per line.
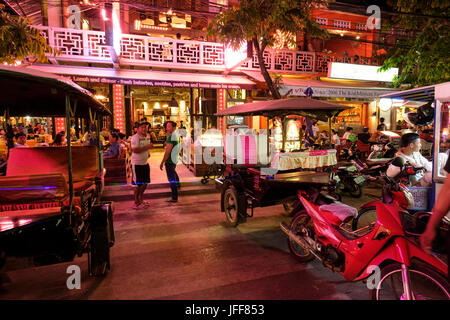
column 398, row 162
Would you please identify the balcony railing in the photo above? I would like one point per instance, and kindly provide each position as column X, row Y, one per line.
column 89, row 46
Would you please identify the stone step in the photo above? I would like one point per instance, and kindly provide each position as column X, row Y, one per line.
column 155, row 191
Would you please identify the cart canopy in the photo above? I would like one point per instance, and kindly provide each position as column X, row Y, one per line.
column 316, row 109
column 419, row 94
column 36, row 93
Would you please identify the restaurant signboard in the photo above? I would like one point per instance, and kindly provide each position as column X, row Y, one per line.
column 158, row 83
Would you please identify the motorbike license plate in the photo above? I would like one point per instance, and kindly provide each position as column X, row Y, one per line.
column 359, row 179
column 336, row 178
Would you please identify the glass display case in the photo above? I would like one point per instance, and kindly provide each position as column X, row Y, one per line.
column 292, row 135
column 209, row 143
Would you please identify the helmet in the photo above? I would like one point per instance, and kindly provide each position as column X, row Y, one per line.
column 423, row 117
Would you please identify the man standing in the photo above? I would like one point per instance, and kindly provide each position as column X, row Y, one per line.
column 170, row 159
column 381, row 126
column 440, row 209
column 140, row 144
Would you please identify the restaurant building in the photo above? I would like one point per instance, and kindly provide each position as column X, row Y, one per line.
column 154, row 59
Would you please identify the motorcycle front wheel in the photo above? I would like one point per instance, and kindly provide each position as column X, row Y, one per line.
column 425, row 283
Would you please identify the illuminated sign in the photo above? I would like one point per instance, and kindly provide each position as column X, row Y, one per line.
column 221, row 106
column 360, row 72
column 119, row 121
column 60, row 125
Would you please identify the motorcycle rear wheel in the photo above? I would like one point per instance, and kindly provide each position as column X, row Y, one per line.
column 355, row 190
column 425, row 282
column 300, row 220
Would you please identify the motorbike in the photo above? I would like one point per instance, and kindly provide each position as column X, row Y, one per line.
column 385, row 253
column 348, row 180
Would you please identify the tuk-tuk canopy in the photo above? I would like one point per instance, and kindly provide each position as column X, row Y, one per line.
column 35, row 93
column 419, row 94
column 316, row 109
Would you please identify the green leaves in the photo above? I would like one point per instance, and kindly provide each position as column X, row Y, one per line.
column 19, row 40
column 422, row 58
column 259, row 20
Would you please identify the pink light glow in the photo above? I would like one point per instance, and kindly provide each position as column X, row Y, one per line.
column 105, row 18
column 116, row 30
column 233, row 57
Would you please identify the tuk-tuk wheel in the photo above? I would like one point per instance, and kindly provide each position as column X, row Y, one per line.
column 101, row 223
column 235, row 206
column 99, row 253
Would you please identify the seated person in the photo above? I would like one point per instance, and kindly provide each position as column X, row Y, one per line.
column 31, row 135
column 60, row 140
column 323, row 137
column 348, row 132
column 114, row 149
column 335, row 138
column 21, row 141
column 410, row 151
column 364, row 137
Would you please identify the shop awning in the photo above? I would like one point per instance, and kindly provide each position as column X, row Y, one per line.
column 317, row 109
column 326, row 88
column 149, row 77
column 419, row 94
column 333, row 89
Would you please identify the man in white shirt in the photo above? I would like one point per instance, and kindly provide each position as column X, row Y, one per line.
column 140, row 144
column 410, row 147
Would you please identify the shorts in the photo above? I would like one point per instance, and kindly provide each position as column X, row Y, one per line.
column 141, row 174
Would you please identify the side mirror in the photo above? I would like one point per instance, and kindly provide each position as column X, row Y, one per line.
column 398, row 162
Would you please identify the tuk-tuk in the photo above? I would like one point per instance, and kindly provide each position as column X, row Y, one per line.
column 50, row 207
column 434, row 109
column 253, row 183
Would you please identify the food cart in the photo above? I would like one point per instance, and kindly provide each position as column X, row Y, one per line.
column 258, row 184
column 438, row 97
column 50, row 208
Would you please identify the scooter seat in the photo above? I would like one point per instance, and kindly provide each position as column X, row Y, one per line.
column 337, row 212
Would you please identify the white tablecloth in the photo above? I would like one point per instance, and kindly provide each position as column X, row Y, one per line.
column 305, row 160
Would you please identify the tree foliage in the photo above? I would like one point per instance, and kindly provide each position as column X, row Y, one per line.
column 423, row 58
column 257, row 21
column 19, row 40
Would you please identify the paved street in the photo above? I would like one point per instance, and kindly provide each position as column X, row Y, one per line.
column 185, row 251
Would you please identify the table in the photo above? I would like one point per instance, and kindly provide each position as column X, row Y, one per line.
column 305, row 160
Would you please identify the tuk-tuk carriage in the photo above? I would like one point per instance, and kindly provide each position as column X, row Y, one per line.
column 50, row 208
column 433, row 109
column 258, row 184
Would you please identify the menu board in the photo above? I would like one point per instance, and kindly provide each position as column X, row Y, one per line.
column 349, row 116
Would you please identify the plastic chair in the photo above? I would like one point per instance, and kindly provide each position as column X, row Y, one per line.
column 363, row 148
